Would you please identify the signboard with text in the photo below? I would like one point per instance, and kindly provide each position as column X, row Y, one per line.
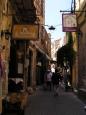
column 69, row 22
column 25, row 32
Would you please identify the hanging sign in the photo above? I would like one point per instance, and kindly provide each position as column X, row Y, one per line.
column 69, row 22
column 25, row 32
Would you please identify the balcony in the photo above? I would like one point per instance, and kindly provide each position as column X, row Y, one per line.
column 25, row 10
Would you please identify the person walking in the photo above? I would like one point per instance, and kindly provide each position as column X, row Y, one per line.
column 65, row 79
column 49, row 79
column 55, row 81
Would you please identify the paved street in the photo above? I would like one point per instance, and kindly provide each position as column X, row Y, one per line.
column 45, row 103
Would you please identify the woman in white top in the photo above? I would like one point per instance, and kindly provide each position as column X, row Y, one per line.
column 49, row 79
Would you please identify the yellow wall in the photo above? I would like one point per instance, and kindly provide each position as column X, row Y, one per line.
column 75, row 64
column 6, row 23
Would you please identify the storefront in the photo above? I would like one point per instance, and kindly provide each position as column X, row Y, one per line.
column 43, row 62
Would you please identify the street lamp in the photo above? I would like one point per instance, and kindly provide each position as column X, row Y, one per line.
column 51, row 28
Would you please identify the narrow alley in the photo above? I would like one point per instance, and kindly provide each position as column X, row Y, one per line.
column 45, row 103
column 42, row 42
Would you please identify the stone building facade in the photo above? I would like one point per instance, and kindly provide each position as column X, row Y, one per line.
column 82, row 46
column 5, row 25
column 30, row 57
column 79, row 72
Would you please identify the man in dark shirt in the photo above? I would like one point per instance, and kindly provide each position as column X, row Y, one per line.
column 55, row 80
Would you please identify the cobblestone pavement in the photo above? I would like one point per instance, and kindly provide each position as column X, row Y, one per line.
column 45, row 103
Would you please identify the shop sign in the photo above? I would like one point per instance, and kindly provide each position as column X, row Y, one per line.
column 69, row 22
column 25, row 32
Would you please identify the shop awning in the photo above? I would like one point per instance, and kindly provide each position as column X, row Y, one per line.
column 40, row 50
column 49, row 58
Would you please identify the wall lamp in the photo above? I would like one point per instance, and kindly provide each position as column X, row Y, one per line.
column 49, row 27
column 53, row 27
column 5, row 33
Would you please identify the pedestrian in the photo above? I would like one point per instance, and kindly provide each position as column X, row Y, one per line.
column 55, row 81
column 45, row 81
column 49, row 79
column 65, row 79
